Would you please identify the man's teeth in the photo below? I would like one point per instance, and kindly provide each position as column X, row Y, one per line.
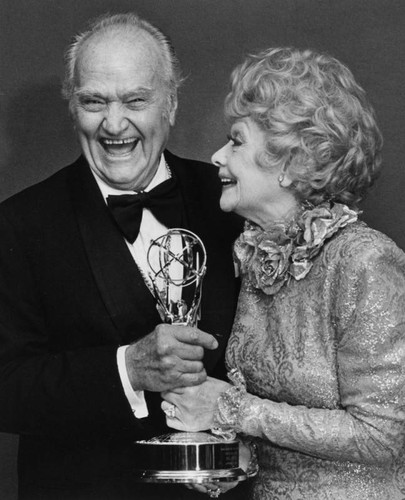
column 118, row 142
column 119, row 147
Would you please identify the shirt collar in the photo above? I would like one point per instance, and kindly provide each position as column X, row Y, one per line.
column 161, row 175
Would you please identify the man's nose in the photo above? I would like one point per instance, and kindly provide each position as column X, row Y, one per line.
column 115, row 120
column 219, row 157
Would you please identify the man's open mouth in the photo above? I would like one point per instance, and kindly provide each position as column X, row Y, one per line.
column 119, row 147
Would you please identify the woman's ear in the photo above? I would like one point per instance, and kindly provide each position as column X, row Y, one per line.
column 284, row 180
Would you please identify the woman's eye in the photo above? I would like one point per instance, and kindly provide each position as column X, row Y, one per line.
column 234, row 140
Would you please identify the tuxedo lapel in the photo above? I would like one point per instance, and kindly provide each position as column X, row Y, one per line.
column 190, row 193
column 122, row 288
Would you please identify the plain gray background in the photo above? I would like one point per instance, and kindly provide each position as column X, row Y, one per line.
column 211, row 37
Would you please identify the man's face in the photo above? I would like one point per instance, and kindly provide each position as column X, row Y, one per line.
column 120, row 107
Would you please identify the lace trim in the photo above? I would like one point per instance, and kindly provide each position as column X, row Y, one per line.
column 226, row 415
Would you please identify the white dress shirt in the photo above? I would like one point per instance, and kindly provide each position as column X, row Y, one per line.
column 150, row 229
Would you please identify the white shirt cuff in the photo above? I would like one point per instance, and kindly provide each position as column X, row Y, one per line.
column 135, row 398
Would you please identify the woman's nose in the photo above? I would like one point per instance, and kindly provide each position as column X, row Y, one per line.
column 115, row 120
column 219, row 157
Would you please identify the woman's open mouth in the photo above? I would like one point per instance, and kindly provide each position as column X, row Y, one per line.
column 227, row 181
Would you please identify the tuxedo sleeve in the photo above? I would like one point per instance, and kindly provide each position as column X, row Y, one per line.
column 42, row 391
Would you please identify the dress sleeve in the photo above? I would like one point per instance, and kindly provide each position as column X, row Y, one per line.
column 368, row 427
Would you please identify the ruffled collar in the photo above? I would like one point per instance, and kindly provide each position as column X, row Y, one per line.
column 270, row 258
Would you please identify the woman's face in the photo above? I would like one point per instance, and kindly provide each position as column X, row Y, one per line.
column 251, row 190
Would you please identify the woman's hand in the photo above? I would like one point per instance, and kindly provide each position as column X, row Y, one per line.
column 192, row 409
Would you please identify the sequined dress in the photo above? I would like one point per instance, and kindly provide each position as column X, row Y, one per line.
column 324, row 362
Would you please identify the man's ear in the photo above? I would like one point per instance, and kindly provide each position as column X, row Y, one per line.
column 172, row 108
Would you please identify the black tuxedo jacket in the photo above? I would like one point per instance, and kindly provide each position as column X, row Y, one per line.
column 70, row 294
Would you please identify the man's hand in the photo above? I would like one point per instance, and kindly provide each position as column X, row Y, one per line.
column 169, row 357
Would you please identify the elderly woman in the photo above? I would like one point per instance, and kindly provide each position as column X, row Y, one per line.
column 317, row 353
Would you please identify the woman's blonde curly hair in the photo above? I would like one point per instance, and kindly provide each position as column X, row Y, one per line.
column 321, row 128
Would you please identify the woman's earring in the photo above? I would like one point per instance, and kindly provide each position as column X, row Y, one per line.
column 280, row 180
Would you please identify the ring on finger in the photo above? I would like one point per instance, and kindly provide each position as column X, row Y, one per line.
column 170, row 411
column 214, row 493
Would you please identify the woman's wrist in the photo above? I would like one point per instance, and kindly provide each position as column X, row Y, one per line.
column 227, row 414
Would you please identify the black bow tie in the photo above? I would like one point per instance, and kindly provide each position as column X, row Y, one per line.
column 164, row 201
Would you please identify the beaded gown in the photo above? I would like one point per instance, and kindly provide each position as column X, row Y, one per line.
column 324, row 363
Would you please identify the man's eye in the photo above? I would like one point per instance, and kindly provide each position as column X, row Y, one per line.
column 91, row 104
column 136, row 102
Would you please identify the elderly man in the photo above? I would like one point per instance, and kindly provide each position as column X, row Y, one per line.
column 83, row 352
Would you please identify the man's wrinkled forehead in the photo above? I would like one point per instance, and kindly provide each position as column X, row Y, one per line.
column 121, row 38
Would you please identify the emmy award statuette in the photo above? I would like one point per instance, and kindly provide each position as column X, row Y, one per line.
column 178, row 263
